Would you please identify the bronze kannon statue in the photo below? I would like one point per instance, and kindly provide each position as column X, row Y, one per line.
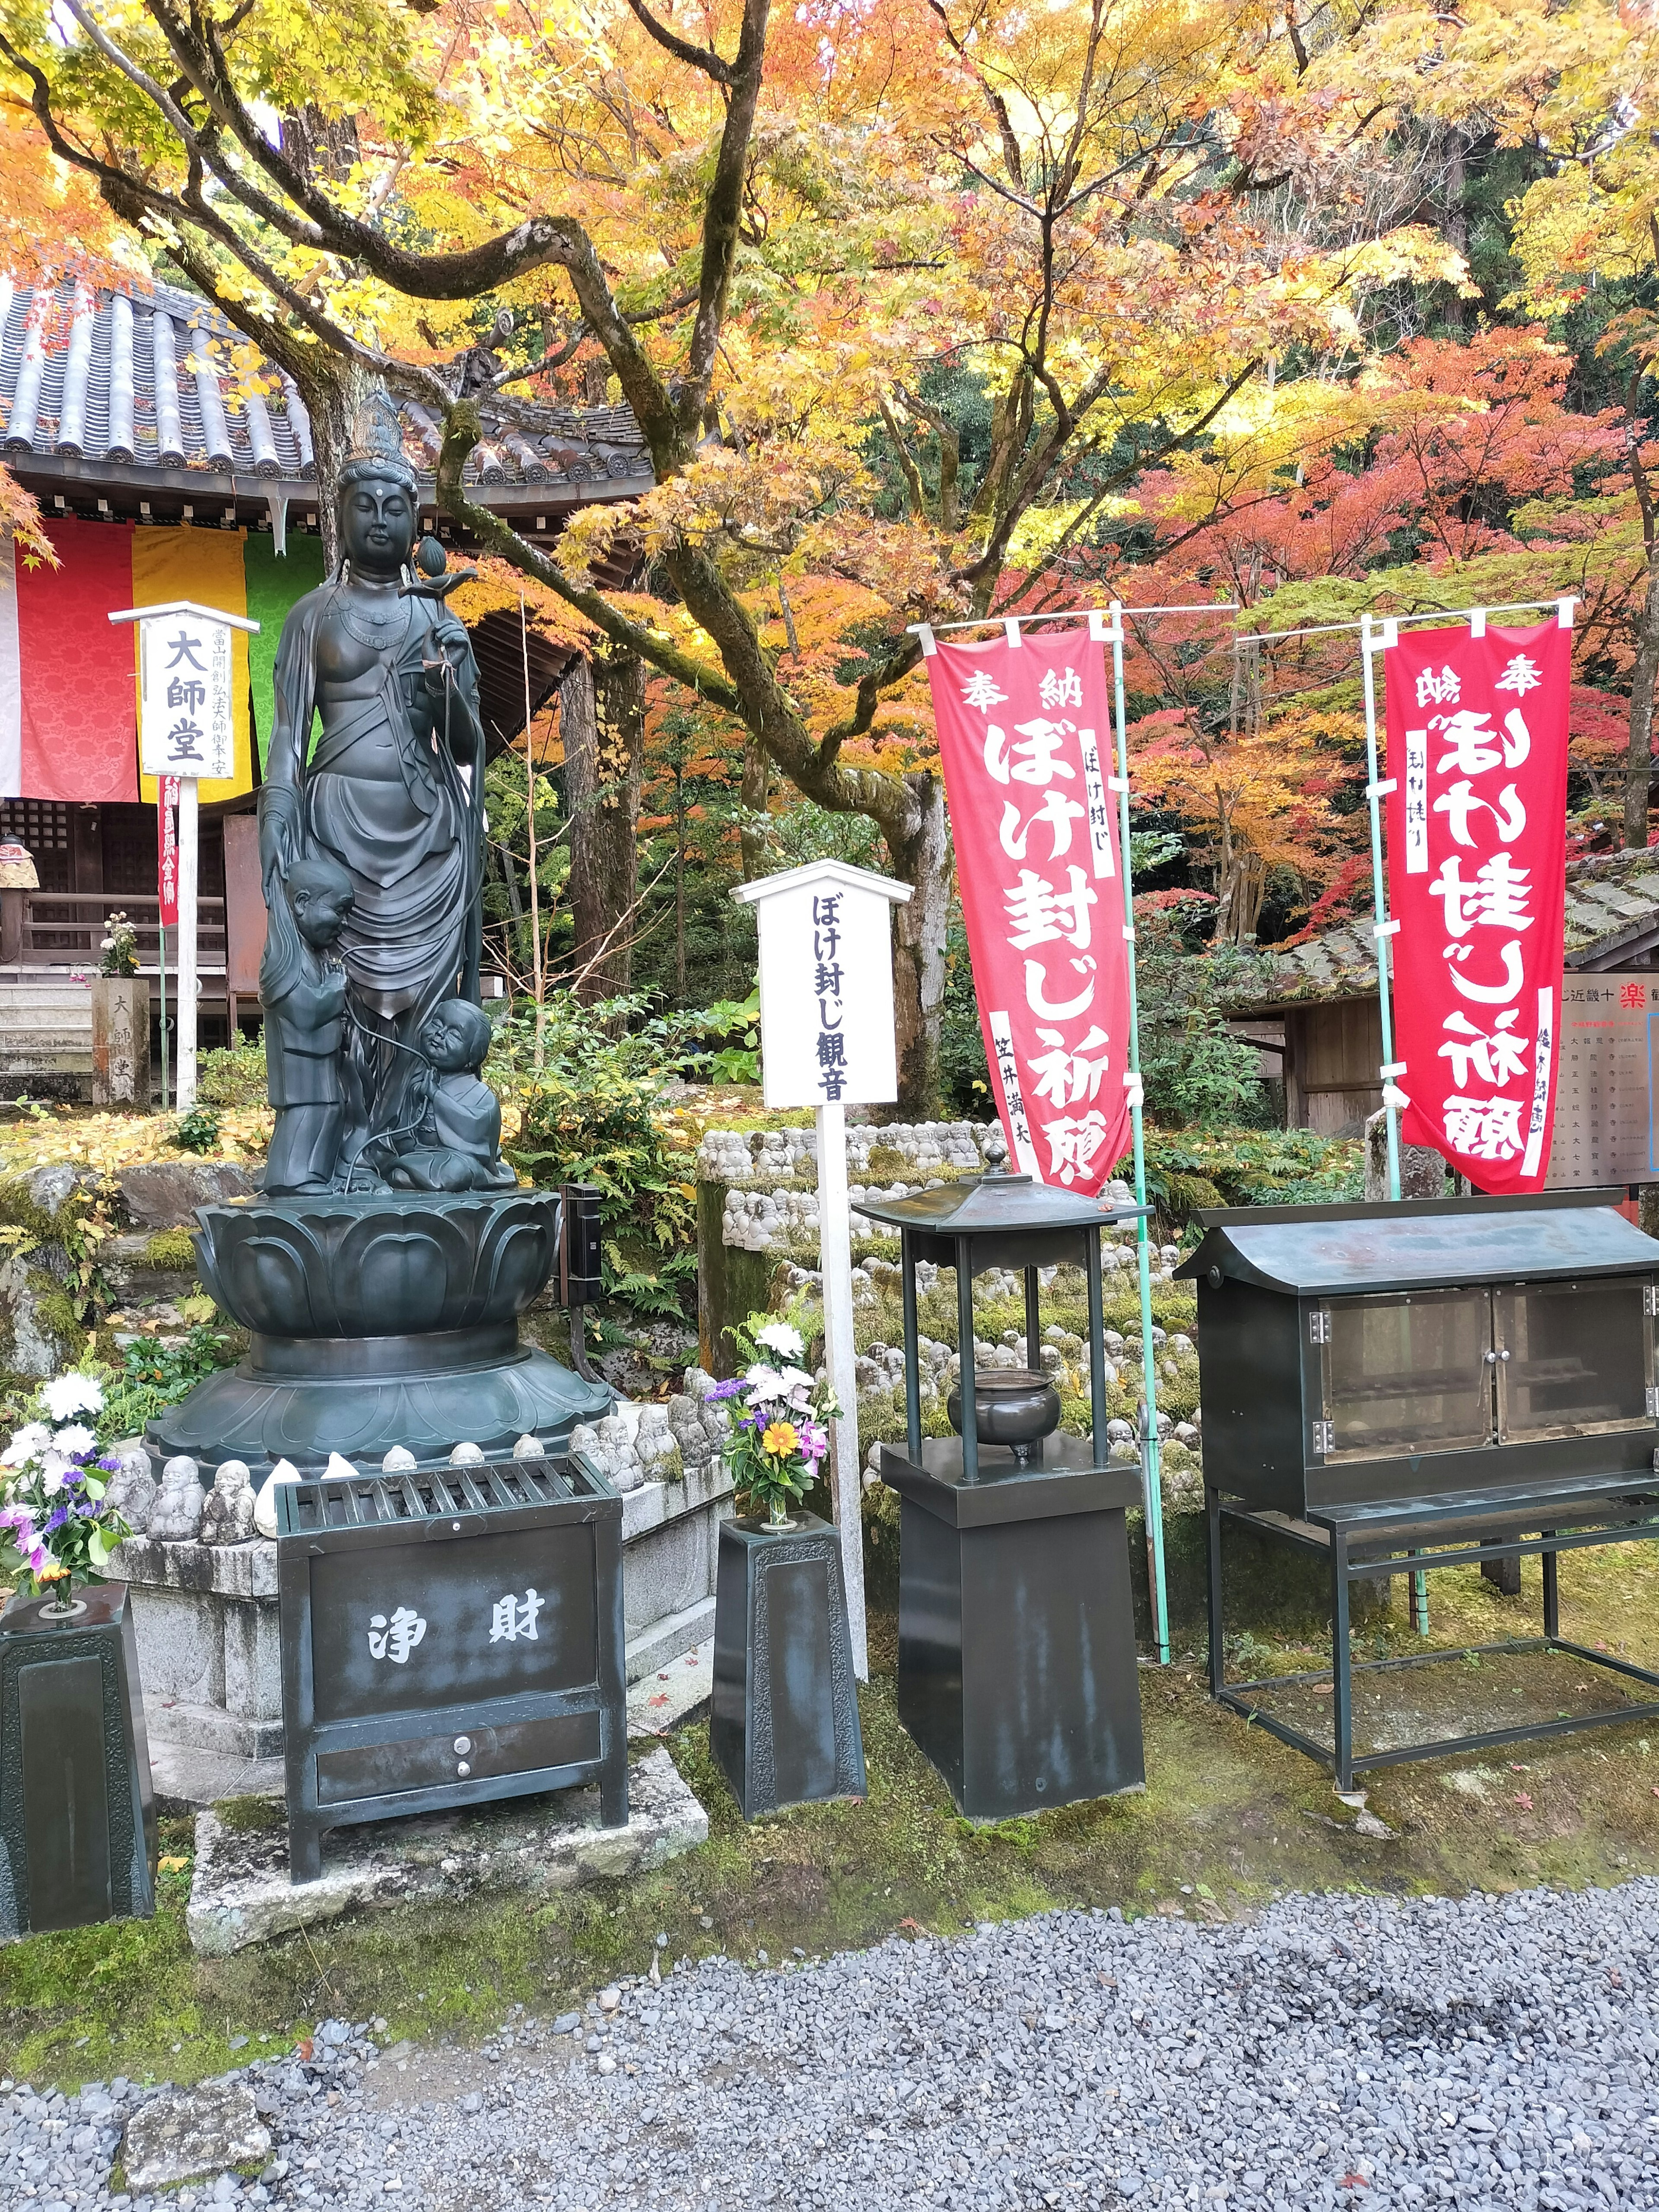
column 392, row 794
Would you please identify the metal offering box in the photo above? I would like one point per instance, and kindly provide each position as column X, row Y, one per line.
column 449, row 1637
column 1364, row 1353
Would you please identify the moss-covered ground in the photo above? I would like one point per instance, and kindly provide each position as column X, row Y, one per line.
column 1229, row 1819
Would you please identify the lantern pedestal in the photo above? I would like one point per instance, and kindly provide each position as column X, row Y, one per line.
column 784, row 1729
column 1017, row 1665
column 77, row 1821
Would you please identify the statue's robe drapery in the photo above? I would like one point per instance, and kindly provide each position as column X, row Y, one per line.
column 413, row 847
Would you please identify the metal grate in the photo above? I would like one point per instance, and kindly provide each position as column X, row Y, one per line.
column 373, row 1500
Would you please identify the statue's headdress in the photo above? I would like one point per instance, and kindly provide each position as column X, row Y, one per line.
column 376, row 450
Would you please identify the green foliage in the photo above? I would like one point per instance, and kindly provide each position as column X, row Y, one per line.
column 739, row 1021
column 589, row 1116
column 170, row 1251
column 197, row 1131
column 236, row 1078
column 1189, row 1169
column 965, row 1080
column 155, row 1373
column 1198, row 1074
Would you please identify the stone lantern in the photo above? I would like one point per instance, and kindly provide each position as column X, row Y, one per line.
column 1016, row 1663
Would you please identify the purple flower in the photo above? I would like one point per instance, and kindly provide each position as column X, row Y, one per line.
column 814, row 1440
column 89, row 1509
column 56, row 1519
column 726, row 1389
column 109, row 1464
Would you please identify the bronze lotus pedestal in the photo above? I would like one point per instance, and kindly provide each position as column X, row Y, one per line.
column 1017, row 1664
column 391, row 1318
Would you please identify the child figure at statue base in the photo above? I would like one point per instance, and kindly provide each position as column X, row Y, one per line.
column 457, row 1138
column 303, row 993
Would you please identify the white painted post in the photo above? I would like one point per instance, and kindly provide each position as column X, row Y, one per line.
column 186, row 721
column 828, row 1042
column 836, row 1260
column 183, row 1074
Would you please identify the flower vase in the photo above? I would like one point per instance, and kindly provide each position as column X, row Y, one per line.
column 777, row 1514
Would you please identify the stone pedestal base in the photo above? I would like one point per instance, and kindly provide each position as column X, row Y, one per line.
column 209, row 1637
column 1017, row 1666
column 785, row 1724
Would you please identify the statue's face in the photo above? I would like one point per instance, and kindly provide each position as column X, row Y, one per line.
column 377, row 526
column 446, row 1042
column 321, row 915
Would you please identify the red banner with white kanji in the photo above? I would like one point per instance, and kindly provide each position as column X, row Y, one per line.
column 1477, row 886
column 1025, row 731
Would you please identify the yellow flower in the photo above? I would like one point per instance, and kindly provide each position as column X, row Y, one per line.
column 780, row 1439
column 51, row 1572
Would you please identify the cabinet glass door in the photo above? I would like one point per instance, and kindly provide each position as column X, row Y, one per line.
column 1574, row 1359
column 1406, row 1374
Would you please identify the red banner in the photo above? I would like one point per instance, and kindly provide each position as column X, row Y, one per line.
column 167, row 849
column 1024, row 731
column 1477, row 886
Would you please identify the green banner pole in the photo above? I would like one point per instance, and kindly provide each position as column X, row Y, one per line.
column 1152, row 1480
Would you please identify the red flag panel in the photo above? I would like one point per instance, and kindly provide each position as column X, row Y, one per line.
column 1025, row 732
column 1476, row 884
column 79, row 687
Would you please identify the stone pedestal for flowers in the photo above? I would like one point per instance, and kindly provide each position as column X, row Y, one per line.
column 784, row 1727
column 77, row 1821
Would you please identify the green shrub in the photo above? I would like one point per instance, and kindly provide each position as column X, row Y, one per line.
column 236, row 1078
column 197, row 1131
column 589, row 1116
column 155, row 1373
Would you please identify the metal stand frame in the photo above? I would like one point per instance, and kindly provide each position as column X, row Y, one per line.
column 1382, row 1554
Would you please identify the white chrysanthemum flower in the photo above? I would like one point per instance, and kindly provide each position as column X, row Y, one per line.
column 66, row 1396
column 763, row 1384
column 53, row 1468
column 77, row 1437
column 782, row 1337
column 34, row 1437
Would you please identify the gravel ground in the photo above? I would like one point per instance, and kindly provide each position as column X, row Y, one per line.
column 1492, row 2051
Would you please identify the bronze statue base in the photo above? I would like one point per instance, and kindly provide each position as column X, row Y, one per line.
column 378, row 1320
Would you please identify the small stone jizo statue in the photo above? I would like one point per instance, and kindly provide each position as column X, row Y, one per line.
column 227, row 1510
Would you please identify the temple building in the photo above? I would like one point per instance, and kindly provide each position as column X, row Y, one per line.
column 171, row 463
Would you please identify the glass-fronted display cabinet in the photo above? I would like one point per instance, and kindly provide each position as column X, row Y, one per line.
column 1375, row 1351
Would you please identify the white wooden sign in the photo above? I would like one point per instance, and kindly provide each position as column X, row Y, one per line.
column 826, row 984
column 827, row 1042
column 186, row 703
column 187, row 729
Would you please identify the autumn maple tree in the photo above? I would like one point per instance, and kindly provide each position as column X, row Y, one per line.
column 778, row 238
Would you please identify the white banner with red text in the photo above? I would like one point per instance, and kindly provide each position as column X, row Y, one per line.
column 1477, row 857
column 1025, row 732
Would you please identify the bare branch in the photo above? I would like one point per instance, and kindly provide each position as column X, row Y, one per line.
column 697, row 58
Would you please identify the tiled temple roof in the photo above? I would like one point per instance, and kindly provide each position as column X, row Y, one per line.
column 142, row 382
column 1613, row 901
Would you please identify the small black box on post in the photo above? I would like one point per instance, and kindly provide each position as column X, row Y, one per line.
column 449, row 1638
column 77, row 1821
column 784, row 1727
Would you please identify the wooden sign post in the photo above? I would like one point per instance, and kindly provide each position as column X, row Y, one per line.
column 186, row 724
column 827, row 1042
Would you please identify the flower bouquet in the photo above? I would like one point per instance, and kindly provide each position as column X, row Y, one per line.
column 119, row 953
column 777, row 1419
column 56, row 1532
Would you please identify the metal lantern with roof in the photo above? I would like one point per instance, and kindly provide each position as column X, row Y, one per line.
column 1017, row 1665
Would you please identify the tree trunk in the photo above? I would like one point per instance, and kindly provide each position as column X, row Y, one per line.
column 923, row 860
column 753, row 793
column 1638, row 777
column 334, row 401
column 602, row 715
